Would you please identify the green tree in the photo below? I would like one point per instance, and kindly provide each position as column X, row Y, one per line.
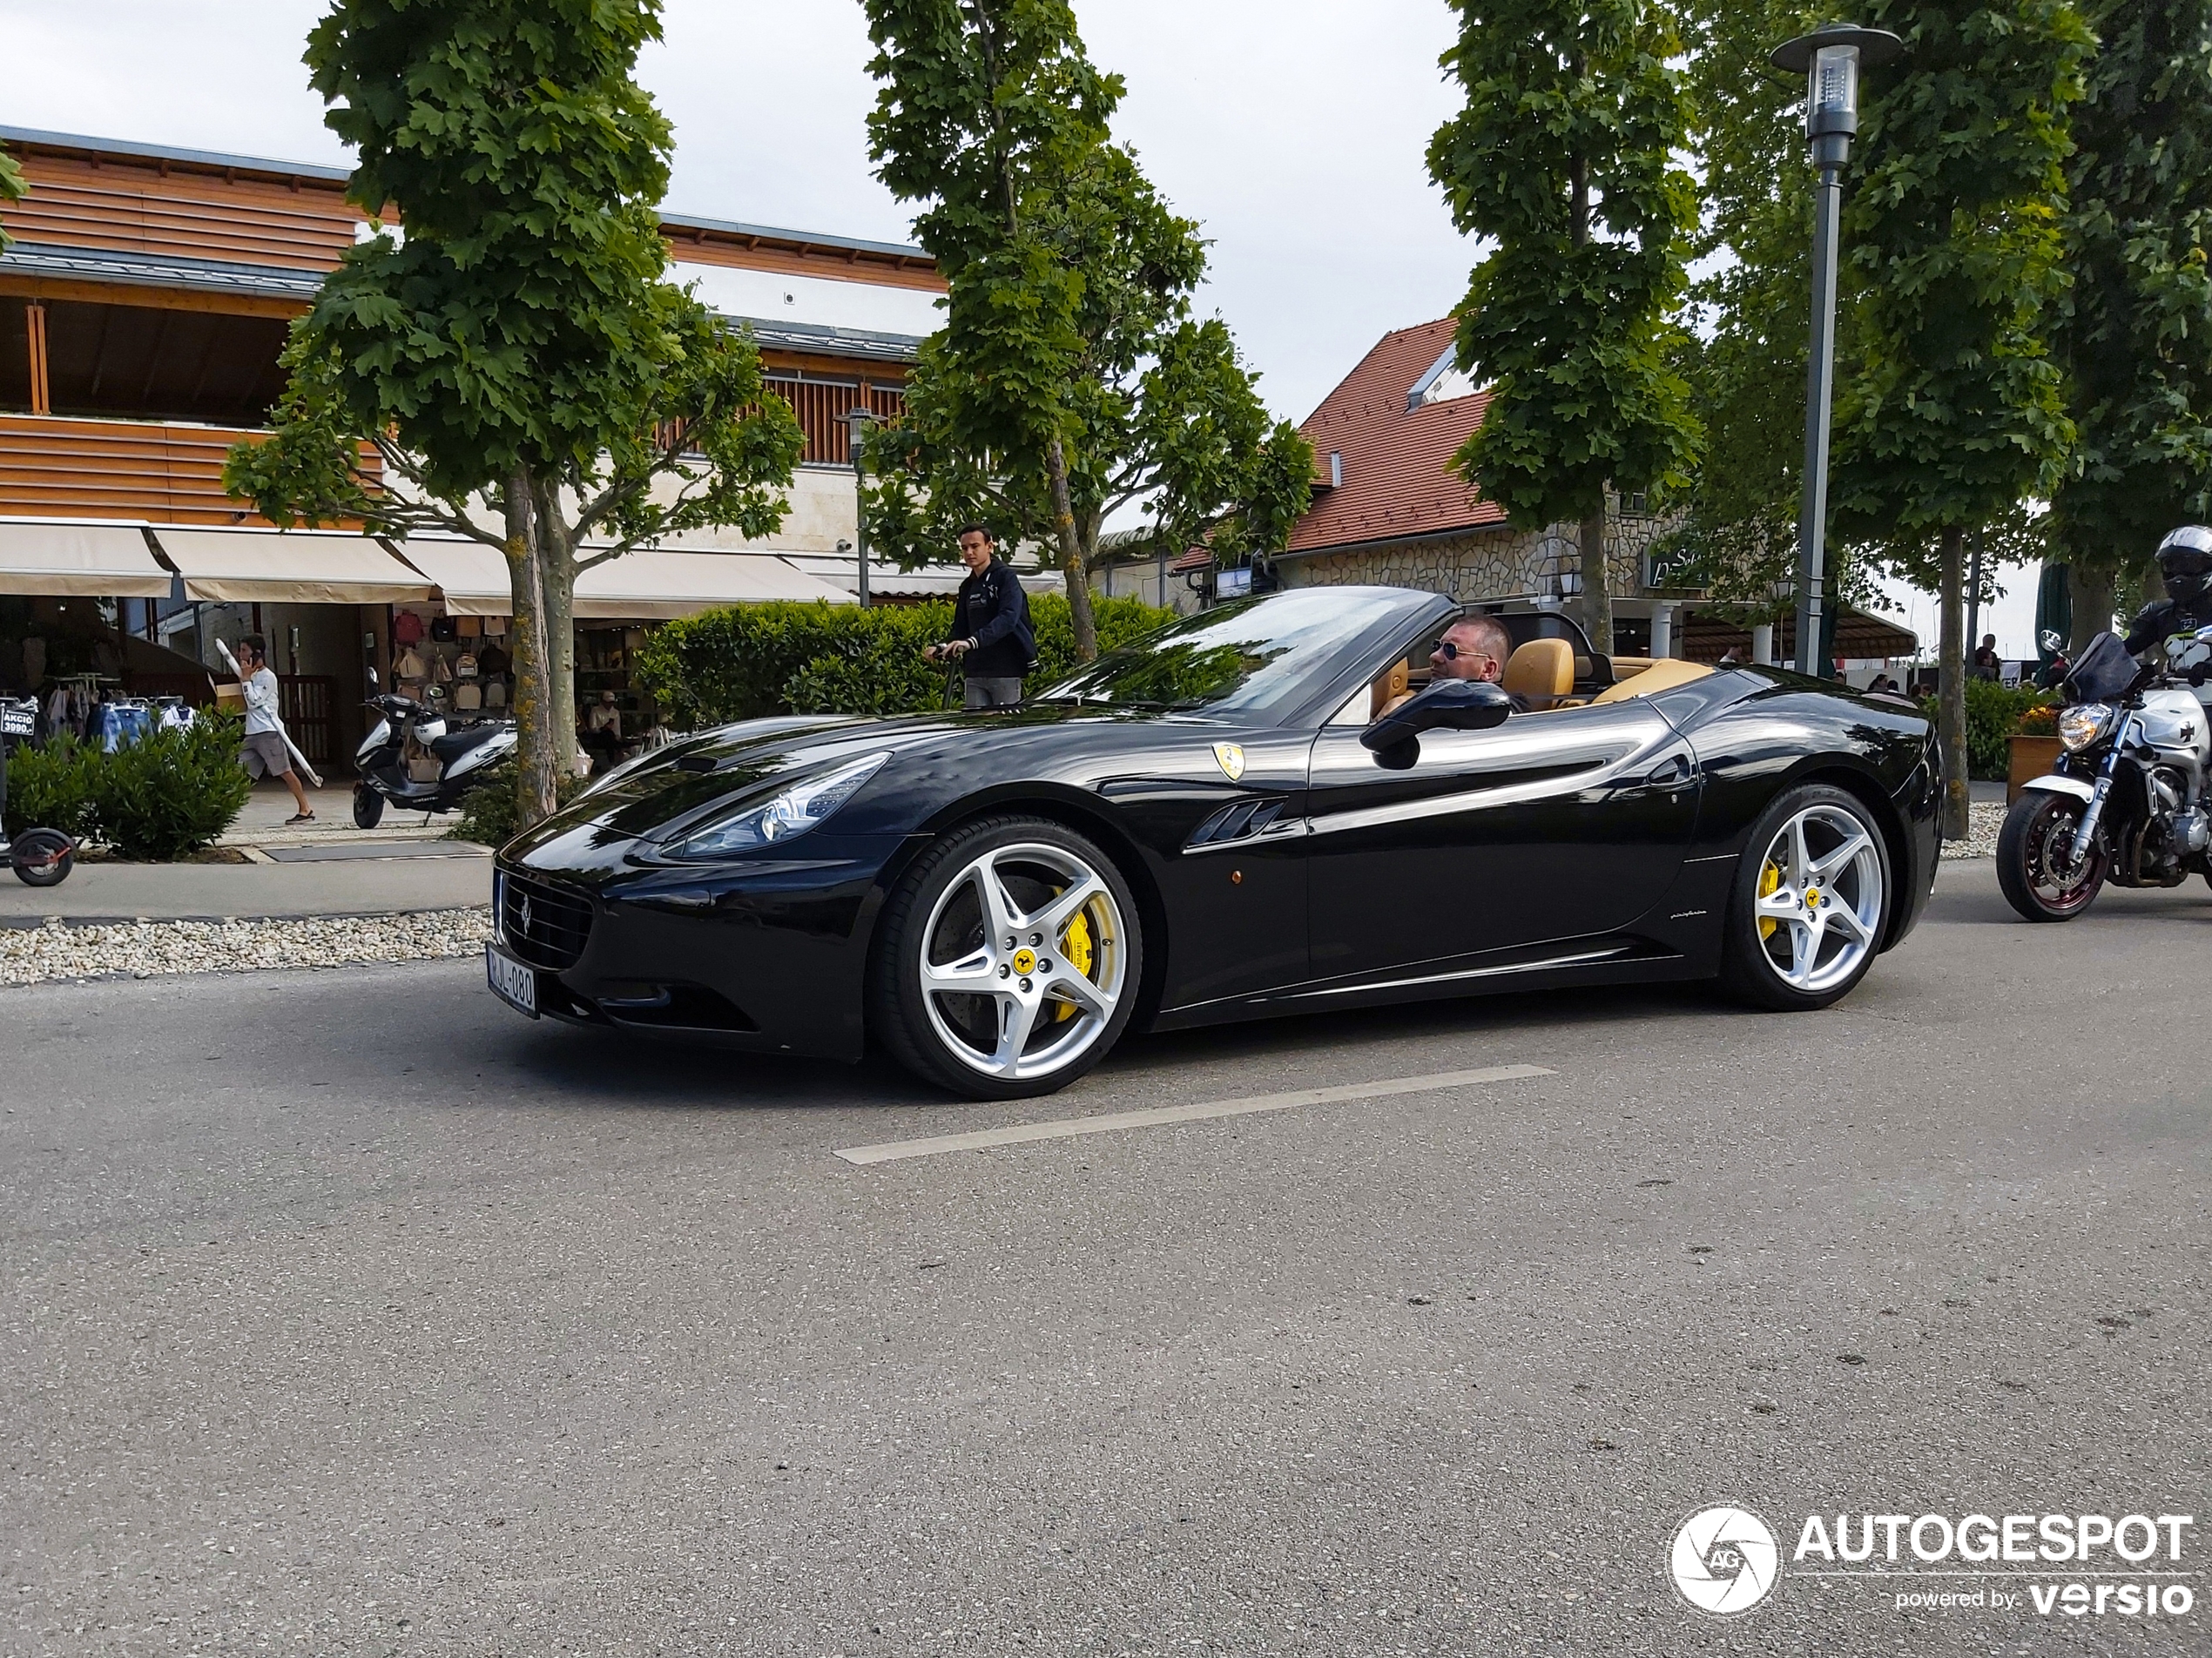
column 13, row 188
column 1070, row 377
column 1950, row 409
column 1564, row 159
column 1159, row 407
column 1745, row 361
column 2135, row 334
column 514, row 368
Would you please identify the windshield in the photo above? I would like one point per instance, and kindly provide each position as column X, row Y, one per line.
column 1248, row 658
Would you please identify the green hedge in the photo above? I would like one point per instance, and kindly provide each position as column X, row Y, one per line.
column 170, row 793
column 1994, row 715
column 752, row 660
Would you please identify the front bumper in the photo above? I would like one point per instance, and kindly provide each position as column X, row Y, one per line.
column 765, row 956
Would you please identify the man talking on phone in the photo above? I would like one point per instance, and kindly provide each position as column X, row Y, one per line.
column 992, row 639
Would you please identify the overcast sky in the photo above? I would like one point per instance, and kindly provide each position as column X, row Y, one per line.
column 1294, row 129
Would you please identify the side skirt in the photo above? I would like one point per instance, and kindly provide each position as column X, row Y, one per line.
column 1593, row 961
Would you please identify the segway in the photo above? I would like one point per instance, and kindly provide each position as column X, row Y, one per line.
column 39, row 857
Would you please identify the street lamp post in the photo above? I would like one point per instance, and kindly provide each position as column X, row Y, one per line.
column 1830, row 58
column 856, row 427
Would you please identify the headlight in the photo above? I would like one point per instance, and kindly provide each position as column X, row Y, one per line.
column 791, row 814
column 2084, row 725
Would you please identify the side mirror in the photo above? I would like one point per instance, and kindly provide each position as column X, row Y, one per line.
column 2052, row 643
column 1449, row 704
column 372, row 679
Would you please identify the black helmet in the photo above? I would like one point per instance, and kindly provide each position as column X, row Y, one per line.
column 2185, row 561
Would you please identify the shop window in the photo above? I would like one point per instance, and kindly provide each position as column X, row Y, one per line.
column 144, row 363
column 15, row 355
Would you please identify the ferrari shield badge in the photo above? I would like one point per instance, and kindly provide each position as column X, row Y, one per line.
column 1232, row 758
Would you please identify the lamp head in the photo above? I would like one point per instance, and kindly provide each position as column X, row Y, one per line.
column 1830, row 58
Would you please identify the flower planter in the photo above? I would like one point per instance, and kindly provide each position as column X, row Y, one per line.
column 2032, row 758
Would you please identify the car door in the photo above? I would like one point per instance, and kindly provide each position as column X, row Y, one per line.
column 1551, row 826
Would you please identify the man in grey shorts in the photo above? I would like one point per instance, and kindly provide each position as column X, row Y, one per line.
column 992, row 637
column 264, row 751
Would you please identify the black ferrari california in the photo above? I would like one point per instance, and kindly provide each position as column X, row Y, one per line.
column 1263, row 809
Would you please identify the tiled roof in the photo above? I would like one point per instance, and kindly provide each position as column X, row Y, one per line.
column 1398, row 476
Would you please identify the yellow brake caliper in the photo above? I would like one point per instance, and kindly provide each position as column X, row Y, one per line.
column 1077, row 950
column 1770, row 882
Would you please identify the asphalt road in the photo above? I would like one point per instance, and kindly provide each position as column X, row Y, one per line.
column 346, row 1313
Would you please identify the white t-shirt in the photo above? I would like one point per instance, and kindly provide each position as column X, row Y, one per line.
column 260, row 701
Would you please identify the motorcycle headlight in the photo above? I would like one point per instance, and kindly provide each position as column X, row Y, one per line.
column 789, row 815
column 2084, row 725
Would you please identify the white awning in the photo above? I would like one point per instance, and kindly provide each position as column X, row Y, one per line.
column 647, row 586
column 288, row 566
column 472, row 577
column 658, row 586
column 76, row 558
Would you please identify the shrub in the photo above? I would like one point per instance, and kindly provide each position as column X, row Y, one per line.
column 1994, row 715
column 51, row 788
column 172, row 792
column 491, row 813
column 748, row 661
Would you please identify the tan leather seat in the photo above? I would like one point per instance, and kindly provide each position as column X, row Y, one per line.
column 1391, row 687
column 1662, row 674
column 1540, row 672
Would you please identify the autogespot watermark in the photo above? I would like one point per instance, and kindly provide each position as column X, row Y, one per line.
column 1725, row 1560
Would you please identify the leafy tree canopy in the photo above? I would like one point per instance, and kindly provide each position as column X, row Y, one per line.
column 2136, row 333
column 1565, row 157
column 1951, row 410
column 13, row 188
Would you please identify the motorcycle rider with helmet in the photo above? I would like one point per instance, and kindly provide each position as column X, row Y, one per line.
column 2185, row 565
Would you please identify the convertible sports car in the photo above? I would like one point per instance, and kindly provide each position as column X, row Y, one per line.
column 1238, row 817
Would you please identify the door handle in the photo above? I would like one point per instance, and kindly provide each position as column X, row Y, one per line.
column 1674, row 776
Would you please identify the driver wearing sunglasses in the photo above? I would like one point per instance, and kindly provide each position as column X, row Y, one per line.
column 1476, row 647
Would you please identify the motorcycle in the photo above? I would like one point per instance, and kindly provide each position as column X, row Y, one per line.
column 411, row 759
column 2127, row 802
column 39, row 857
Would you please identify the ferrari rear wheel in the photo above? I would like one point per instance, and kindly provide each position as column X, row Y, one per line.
column 1009, row 960
column 1810, row 904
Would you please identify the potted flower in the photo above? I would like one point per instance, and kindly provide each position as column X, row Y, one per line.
column 2034, row 749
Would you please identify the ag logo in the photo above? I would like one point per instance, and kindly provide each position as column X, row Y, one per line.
column 1724, row 1561
column 1231, row 759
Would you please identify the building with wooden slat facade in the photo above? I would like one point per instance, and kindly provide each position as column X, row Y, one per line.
column 143, row 303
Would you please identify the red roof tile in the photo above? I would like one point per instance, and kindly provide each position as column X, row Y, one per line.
column 1398, row 476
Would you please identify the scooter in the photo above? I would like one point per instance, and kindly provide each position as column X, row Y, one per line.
column 408, row 737
column 39, row 857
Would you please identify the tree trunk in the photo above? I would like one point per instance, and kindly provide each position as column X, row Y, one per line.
column 1071, row 554
column 1597, row 590
column 2095, row 594
column 559, row 627
column 1951, row 684
column 535, row 755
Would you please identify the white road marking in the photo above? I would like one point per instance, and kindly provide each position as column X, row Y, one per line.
column 1068, row 1128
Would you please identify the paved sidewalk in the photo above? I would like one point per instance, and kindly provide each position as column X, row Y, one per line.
column 262, row 822
column 382, row 878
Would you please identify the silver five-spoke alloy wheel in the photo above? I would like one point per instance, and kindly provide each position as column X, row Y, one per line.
column 1022, row 961
column 1819, row 902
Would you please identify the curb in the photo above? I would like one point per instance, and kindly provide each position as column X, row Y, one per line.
column 32, row 923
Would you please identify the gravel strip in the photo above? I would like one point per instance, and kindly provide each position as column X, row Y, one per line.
column 33, row 955
column 1984, row 819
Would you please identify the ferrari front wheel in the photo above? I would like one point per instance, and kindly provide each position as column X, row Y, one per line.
column 1810, row 904
column 1008, row 960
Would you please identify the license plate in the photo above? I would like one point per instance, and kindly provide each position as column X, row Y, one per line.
column 511, row 981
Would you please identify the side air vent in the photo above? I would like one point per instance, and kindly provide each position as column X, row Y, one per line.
column 1238, row 821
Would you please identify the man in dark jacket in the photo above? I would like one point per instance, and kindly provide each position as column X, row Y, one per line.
column 992, row 637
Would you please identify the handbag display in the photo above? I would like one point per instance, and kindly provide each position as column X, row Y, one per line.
column 444, row 629
column 407, row 628
column 468, row 696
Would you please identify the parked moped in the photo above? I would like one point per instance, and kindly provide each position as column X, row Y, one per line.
column 39, row 857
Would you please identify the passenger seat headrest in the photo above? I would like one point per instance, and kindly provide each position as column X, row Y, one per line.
column 1541, row 672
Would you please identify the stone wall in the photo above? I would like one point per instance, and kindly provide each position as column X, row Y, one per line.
column 1487, row 566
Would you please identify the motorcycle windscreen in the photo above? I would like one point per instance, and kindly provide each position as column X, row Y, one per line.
column 2105, row 669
